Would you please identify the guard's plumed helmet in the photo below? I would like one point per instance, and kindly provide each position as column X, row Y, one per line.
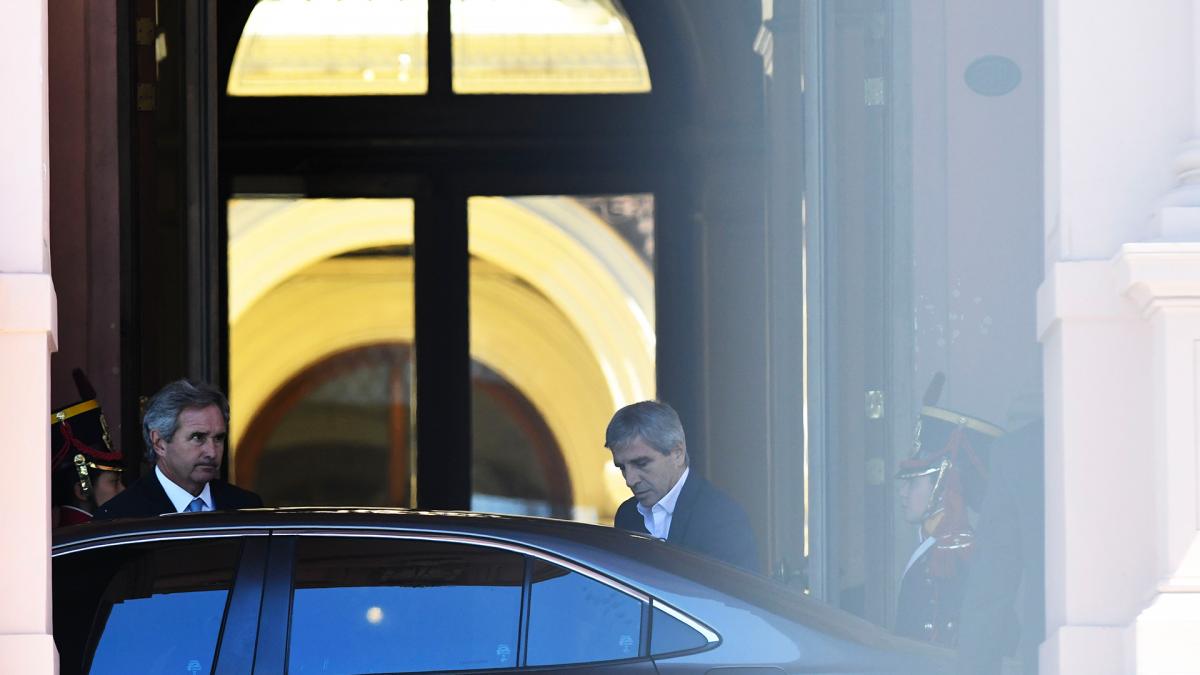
column 79, row 443
column 951, row 448
column 944, row 439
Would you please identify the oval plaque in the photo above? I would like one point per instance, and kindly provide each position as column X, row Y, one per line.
column 992, row 75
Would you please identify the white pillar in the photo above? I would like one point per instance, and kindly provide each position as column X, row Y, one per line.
column 1163, row 278
column 28, row 334
column 1119, row 315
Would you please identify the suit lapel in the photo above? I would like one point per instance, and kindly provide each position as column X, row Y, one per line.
column 217, row 489
column 681, row 518
column 156, row 497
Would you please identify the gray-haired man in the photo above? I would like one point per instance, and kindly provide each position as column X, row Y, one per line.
column 185, row 427
column 669, row 501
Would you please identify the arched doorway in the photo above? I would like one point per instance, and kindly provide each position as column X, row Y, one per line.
column 350, row 416
column 562, row 311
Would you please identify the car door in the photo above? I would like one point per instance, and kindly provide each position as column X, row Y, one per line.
column 159, row 604
column 432, row 603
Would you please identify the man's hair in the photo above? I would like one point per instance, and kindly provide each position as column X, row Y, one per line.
column 655, row 422
column 162, row 410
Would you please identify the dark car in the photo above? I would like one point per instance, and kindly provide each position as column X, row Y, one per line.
column 383, row 591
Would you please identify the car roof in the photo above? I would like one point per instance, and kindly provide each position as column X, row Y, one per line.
column 633, row 558
column 518, row 528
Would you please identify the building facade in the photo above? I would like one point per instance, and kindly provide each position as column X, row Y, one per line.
column 786, row 224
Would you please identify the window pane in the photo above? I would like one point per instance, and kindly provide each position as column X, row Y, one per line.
column 562, row 334
column 163, row 609
column 332, row 48
column 320, row 335
column 381, row 606
column 574, row 619
column 668, row 634
column 545, row 47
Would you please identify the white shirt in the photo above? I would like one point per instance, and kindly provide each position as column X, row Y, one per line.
column 658, row 517
column 179, row 497
column 928, row 542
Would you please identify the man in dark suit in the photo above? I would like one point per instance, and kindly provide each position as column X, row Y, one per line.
column 669, row 500
column 184, row 427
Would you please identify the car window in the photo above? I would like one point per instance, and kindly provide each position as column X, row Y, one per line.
column 163, row 607
column 384, row 605
column 575, row 619
column 668, row 634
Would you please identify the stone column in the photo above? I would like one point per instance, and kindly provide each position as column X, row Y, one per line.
column 1163, row 278
column 1119, row 319
column 27, row 336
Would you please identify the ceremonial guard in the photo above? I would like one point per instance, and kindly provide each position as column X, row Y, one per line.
column 945, row 474
column 85, row 469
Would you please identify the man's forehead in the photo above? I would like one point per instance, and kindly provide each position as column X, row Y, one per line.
column 202, row 417
column 635, row 449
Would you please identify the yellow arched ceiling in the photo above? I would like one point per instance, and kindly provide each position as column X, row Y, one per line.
column 272, row 239
column 561, row 308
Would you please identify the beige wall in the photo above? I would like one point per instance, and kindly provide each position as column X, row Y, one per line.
column 27, row 336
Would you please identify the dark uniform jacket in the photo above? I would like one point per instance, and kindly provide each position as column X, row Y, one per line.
column 928, row 607
column 146, row 497
column 706, row 521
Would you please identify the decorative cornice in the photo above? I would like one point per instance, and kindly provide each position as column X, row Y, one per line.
column 1158, row 275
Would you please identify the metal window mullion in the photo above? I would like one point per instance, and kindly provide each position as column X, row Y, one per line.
column 526, row 603
column 442, row 346
column 438, row 44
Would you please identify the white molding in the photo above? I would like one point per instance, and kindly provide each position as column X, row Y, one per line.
column 1162, row 274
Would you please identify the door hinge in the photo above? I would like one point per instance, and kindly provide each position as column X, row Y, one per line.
column 143, row 33
column 873, row 91
column 875, row 402
column 145, row 97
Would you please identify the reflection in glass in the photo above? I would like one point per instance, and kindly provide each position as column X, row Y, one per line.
column 379, row 606
column 924, row 233
column 192, row 620
column 545, row 47
column 574, row 619
column 562, row 316
column 379, row 47
column 164, row 610
column 332, row 48
column 668, row 634
column 516, row 466
column 320, row 328
column 354, row 407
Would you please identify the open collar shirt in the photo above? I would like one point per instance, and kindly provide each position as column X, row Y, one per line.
column 658, row 517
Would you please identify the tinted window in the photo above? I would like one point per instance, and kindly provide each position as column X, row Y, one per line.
column 162, row 609
column 383, row 605
column 574, row 619
column 668, row 634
